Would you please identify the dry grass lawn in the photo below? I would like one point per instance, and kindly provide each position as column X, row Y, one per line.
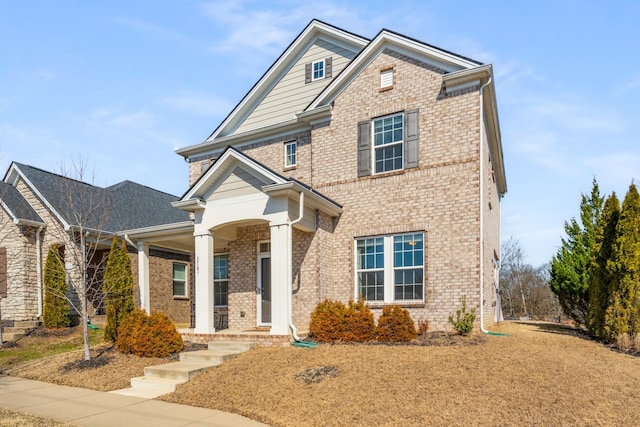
column 542, row 374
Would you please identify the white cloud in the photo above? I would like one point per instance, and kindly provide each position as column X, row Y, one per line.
column 158, row 31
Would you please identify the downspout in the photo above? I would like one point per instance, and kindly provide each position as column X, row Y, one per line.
column 294, row 330
column 128, row 240
column 482, row 206
column 39, row 269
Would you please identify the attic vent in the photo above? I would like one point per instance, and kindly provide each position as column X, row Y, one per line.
column 386, row 78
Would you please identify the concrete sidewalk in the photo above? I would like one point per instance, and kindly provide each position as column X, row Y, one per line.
column 95, row 408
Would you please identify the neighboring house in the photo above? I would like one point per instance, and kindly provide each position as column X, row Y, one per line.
column 41, row 209
column 353, row 167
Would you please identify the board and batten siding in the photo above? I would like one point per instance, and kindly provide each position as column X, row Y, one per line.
column 291, row 95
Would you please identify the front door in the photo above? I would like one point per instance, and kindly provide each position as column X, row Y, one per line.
column 264, row 284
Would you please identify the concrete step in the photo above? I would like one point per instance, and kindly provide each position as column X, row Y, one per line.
column 143, row 393
column 212, row 357
column 27, row 324
column 165, row 385
column 12, row 336
column 15, row 330
column 239, row 346
column 182, row 371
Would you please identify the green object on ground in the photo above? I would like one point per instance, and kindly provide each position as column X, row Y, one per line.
column 92, row 326
column 304, row 344
column 498, row 334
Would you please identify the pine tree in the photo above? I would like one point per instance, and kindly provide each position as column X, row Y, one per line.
column 603, row 280
column 570, row 266
column 118, row 288
column 623, row 314
column 56, row 309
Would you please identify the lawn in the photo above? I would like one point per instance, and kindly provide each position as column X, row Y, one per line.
column 542, row 374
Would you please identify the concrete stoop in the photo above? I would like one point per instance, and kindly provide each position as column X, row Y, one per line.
column 162, row 379
column 19, row 329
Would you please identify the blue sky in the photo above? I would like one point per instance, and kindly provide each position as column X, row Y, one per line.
column 121, row 84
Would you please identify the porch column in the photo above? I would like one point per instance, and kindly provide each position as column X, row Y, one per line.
column 204, row 282
column 143, row 276
column 280, row 278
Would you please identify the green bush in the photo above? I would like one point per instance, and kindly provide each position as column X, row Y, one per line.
column 463, row 323
column 328, row 321
column 148, row 336
column 395, row 325
column 56, row 307
column 360, row 325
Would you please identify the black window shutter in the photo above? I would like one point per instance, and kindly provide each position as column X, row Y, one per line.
column 364, row 148
column 411, row 142
column 327, row 67
column 307, row 73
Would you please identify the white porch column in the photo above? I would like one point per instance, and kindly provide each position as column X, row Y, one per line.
column 204, row 282
column 143, row 276
column 280, row 278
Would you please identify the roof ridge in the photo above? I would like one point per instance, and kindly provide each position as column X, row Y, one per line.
column 58, row 175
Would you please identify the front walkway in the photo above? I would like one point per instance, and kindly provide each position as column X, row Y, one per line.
column 84, row 407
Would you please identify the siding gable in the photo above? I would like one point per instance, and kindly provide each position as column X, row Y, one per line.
column 292, row 94
column 238, row 183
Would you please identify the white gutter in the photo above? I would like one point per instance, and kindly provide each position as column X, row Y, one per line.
column 39, row 269
column 482, row 207
column 294, row 330
column 128, row 240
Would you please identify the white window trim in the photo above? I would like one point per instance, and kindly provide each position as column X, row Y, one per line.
column 286, row 154
column 186, row 280
column 324, row 70
column 216, row 281
column 374, row 147
column 389, row 287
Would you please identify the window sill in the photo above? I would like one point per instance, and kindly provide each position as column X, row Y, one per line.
column 408, row 304
column 388, row 174
column 180, row 297
column 386, row 88
column 290, row 168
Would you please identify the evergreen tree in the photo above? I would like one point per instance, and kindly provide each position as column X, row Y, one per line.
column 56, row 309
column 603, row 280
column 570, row 266
column 623, row 314
column 118, row 288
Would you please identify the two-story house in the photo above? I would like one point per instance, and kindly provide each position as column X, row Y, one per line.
column 353, row 167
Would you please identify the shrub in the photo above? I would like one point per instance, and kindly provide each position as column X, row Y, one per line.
column 463, row 323
column 359, row 323
column 118, row 288
column 148, row 336
column 328, row 321
column 56, row 308
column 395, row 325
column 423, row 327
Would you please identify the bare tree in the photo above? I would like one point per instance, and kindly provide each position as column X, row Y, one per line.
column 86, row 210
column 525, row 289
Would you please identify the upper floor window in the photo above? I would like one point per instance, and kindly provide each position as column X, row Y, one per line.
column 290, row 154
column 393, row 140
column 390, row 268
column 388, row 135
column 318, row 70
column 179, row 279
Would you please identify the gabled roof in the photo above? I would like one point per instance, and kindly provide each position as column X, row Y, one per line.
column 121, row 206
column 273, row 183
column 17, row 206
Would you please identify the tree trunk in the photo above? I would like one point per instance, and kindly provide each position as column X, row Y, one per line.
column 83, row 296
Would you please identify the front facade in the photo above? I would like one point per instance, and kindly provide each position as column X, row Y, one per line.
column 353, row 168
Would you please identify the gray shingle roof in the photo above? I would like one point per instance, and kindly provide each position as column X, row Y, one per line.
column 122, row 206
column 17, row 205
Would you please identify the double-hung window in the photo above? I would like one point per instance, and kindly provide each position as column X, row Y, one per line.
column 221, row 280
column 388, row 135
column 390, row 268
column 388, row 143
column 290, row 154
column 179, row 280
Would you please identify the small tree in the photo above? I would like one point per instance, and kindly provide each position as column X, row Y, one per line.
column 56, row 308
column 603, row 279
column 118, row 288
column 623, row 314
column 463, row 322
column 570, row 266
